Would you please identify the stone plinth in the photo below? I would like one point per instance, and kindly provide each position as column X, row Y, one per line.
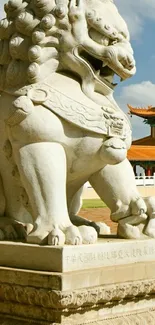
column 107, row 252
column 114, row 285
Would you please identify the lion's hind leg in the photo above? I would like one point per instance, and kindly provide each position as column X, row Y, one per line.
column 86, row 226
column 116, row 186
column 150, row 227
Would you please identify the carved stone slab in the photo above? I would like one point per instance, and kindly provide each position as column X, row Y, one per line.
column 38, row 298
column 107, row 252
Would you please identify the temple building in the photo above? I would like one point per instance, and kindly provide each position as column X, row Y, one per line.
column 142, row 151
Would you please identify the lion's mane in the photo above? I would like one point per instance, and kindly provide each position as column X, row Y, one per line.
column 29, row 37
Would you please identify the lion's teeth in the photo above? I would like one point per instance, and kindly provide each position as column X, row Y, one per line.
column 98, row 73
column 104, row 65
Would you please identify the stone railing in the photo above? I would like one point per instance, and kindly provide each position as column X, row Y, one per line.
column 145, row 180
column 140, row 181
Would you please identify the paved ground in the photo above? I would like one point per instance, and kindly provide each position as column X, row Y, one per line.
column 99, row 214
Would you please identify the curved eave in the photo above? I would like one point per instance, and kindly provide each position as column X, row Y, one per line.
column 141, row 153
column 144, row 115
column 148, row 112
column 147, row 141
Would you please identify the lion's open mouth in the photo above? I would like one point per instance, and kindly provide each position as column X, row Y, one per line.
column 104, row 73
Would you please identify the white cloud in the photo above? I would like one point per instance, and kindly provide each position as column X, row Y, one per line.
column 140, row 94
column 135, row 13
column 137, row 95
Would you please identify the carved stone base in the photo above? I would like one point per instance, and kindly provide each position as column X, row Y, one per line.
column 118, row 294
column 108, row 251
column 142, row 318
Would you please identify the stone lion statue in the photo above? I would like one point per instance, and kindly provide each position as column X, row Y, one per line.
column 60, row 125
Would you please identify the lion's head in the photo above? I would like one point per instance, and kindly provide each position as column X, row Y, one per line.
column 85, row 37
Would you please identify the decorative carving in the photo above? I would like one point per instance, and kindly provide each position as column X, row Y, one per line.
column 43, row 7
column 5, row 57
column 48, row 22
column 79, row 298
column 6, row 29
column 14, row 7
column 26, row 22
column 100, row 120
column 16, row 72
column 36, row 305
column 19, row 47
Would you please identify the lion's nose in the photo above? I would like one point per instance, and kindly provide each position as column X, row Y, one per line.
column 128, row 62
column 131, row 63
column 131, row 66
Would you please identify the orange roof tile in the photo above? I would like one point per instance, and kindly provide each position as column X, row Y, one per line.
column 142, row 112
column 141, row 153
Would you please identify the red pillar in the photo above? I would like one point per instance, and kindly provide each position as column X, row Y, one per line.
column 148, row 171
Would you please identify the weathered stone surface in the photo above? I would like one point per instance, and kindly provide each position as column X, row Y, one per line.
column 106, row 252
column 33, row 297
column 54, row 299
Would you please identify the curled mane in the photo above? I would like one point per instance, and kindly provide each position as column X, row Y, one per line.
column 29, row 38
column 40, row 37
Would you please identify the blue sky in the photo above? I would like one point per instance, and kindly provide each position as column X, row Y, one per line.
column 139, row 90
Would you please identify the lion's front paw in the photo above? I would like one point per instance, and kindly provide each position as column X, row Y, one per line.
column 128, row 231
column 89, row 234
column 72, row 235
column 56, row 237
column 12, row 230
column 103, row 228
column 150, row 228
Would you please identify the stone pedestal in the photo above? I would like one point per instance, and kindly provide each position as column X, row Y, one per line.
column 110, row 283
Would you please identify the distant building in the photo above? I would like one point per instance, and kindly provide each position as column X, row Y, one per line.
column 142, row 151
